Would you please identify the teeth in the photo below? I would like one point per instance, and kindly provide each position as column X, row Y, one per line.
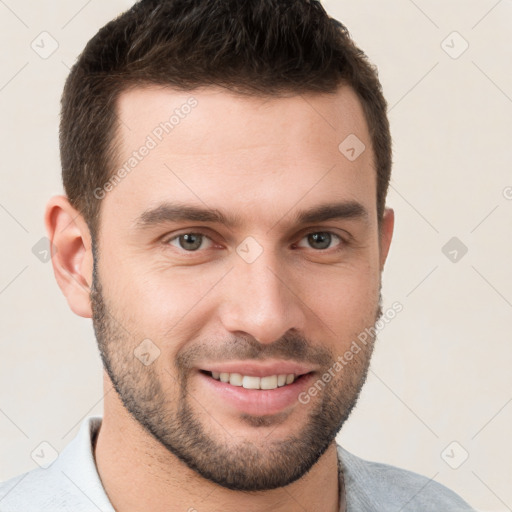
column 251, row 382
column 235, row 379
column 268, row 382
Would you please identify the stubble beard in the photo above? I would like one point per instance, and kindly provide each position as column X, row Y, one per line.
column 222, row 459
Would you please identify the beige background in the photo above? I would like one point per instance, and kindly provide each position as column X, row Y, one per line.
column 442, row 369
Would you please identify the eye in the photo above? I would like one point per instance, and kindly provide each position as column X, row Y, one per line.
column 190, row 241
column 320, row 240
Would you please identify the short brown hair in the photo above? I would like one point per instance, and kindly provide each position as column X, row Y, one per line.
column 256, row 47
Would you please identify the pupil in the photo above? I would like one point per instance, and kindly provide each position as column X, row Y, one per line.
column 320, row 240
column 190, row 241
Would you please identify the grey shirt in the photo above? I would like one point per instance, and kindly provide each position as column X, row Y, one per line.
column 72, row 484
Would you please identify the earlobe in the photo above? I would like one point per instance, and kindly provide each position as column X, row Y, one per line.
column 386, row 235
column 71, row 253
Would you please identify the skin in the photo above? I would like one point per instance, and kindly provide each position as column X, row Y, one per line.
column 262, row 160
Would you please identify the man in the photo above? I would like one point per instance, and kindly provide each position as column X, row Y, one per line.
column 226, row 165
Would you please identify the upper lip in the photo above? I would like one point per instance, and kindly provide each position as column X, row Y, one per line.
column 259, row 369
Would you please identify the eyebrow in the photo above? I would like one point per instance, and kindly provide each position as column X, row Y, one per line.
column 175, row 212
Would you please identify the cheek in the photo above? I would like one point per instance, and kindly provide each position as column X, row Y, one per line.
column 348, row 293
column 346, row 305
column 162, row 304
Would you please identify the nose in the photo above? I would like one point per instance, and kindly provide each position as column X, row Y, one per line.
column 260, row 300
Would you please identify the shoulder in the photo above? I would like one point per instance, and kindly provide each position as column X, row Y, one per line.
column 377, row 486
column 38, row 489
column 70, row 484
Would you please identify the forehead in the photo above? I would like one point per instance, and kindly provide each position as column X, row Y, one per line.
column 221, row 120
column 211, row 146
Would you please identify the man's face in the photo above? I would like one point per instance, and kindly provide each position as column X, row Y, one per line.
column 280, row 281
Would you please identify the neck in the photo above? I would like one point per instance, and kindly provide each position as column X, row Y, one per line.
column 138, row 473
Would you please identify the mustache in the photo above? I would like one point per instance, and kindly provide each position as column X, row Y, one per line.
column 292, row 346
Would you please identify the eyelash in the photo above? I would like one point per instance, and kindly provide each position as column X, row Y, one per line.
column 341, row 241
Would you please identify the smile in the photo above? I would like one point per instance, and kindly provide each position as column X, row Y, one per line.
column 253, row 382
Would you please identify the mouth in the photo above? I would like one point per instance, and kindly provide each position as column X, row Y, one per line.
column 267, row 382
column 254, row 387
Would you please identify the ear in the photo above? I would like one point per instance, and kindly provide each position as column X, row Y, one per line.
column 386, row 234
column 71, row 253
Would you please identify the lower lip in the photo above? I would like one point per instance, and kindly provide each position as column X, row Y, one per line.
column 258, row 402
